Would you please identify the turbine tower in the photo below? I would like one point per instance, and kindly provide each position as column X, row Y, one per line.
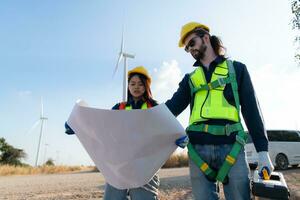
column 124, row 55
column 39, row 121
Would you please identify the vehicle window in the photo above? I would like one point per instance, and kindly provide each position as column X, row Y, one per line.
column 283, row 136
column 290, row 136
column 275, row 136
column 280, row 136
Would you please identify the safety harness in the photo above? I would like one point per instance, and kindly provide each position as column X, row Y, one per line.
column 241, row 136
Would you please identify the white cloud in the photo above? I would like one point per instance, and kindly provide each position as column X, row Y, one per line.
column 165, row 83
column 165, row 80
column 277, row 89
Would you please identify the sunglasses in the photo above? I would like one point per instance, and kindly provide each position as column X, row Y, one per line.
column 191, row 43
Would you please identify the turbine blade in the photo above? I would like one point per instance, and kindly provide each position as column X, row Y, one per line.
column 121, row 52
column 117, row 65
column 33, row 126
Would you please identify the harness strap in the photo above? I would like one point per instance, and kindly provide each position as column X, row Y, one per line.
column 211, row 174
column 234, row 86
column 215, row 129
column 220, row 82
column 149, row 105
column 122, row 106
column 231, row 158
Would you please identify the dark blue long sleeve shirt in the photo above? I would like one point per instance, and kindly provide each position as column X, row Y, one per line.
column 249, row 107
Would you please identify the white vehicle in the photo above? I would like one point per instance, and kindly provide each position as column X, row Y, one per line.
column 284, row 149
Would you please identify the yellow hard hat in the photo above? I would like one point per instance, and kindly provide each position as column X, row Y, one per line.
column 140, row 70
column 189, row 27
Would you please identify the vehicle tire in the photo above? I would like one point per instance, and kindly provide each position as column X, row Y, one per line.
column 281, row 161
column 295, row 166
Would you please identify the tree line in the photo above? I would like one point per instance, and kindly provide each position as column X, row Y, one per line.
column 295, row 5
column 10, row 155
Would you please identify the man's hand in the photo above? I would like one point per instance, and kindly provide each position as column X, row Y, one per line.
column 264, row 164
column 182, row 141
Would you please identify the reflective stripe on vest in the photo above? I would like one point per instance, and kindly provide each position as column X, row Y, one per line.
column 211, row 103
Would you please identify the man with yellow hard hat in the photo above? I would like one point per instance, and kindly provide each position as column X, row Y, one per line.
column 216, row 90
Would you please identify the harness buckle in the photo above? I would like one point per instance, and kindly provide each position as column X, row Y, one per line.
column 209, row 86
column 221, row 82
column 227, row 129
column 206, row 128
column 240, row 140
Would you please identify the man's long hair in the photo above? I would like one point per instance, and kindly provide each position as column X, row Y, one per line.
column 216, row 42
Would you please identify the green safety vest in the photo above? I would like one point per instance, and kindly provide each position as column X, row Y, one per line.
column 210, row 103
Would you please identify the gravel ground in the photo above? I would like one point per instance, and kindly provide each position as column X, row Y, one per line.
column 175, row 184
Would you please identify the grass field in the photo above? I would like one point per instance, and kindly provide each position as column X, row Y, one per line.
column 7, row 170
column 175, row 160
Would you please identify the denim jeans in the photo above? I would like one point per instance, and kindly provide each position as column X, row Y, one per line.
column 146, row 192
column 238, row 187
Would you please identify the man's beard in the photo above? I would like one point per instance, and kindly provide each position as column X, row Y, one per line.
column 199, row 54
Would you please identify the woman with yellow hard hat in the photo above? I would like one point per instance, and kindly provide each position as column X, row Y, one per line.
column 139, row 97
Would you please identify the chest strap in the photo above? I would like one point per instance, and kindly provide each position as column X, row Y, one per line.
column 220, row 82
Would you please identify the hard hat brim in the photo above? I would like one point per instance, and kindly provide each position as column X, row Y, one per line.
column 190, row 30
column 140, row 70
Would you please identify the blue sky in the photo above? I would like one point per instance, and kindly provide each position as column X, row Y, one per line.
column 65, row 50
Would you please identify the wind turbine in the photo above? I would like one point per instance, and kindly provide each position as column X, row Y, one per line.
column 124, row 55
column 39, row 121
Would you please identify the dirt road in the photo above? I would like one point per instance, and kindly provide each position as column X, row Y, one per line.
column 175, row 184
